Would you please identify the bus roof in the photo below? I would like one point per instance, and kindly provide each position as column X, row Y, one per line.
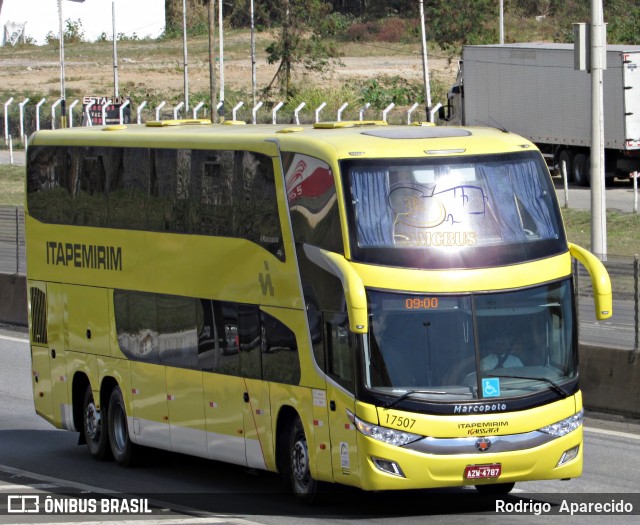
column 341, row 139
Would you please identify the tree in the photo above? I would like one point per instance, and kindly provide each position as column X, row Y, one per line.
column 453, row 23
column 299, row 42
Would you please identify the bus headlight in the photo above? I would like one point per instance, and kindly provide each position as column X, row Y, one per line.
column 390, row 436
column 562, row 428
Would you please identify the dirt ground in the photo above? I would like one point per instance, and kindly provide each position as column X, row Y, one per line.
column 88, row 77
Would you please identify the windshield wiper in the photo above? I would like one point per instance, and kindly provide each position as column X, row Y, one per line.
column 410, row 393
column 552, row 384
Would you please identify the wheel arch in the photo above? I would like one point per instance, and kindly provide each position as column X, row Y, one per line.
column 78, row 388
column 286, row 416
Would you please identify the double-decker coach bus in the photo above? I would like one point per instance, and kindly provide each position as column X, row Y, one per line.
column 386, row 307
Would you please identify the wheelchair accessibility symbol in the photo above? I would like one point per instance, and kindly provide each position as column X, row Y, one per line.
column 491, row 387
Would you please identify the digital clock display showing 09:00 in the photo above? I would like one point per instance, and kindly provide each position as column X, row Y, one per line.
column 421, row 303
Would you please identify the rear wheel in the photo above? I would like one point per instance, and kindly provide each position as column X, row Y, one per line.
column 303, row 486
column 121, row 446
column 495, row 489
column 94, row 426
column 581, row 174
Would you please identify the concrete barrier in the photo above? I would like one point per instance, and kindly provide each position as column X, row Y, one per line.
column 13, row 299
column 609, row 377
column 610, row 380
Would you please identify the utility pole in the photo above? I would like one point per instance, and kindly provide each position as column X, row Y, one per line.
column 221, row 30
column 63, row 105
column 425, row 65
column 115, row 52
column 213, row 94
column 186, row 64
column 598, row 200
column 502, row 21
column 253, row 55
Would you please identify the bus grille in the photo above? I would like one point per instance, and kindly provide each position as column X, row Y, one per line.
column 38, row 316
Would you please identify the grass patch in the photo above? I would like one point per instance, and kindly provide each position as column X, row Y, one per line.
column 623, row 231
column 11, row 185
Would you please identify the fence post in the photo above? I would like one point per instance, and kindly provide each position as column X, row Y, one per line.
column 296, row 112
column 565, row 181
column 386, row 110
column 22, row 105
column 636, row 309
column 53, row 112
column 196, row 109
column 409, row 111
column 139, row 111
column 73, row 105
column 635, row 176
column 17, row 243
column 254, row 112
column 42, row 101
column 6, row 120
column 274, row 111
column 318, row 110
column 363, row 109
column 341, row 110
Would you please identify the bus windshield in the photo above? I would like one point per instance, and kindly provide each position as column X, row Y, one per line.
column 476, row 346
column 453, row 212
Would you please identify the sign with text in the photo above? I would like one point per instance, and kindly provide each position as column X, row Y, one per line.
column 92, row 109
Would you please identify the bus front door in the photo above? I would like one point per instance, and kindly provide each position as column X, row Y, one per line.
column 341, row 400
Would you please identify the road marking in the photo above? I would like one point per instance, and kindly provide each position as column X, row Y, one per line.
column 14, row 339
column 165, row 521
column 605, row 432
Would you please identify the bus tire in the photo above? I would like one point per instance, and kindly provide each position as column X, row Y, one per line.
column 122, row 447
column 303, row 486
column 495, row 489
column 94, row 427
column 581, row 175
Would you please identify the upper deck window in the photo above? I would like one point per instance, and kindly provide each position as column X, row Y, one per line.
column 454, row 212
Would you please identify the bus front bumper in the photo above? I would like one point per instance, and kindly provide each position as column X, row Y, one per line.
column 388, row 467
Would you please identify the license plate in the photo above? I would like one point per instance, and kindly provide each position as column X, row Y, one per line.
column 483, row 471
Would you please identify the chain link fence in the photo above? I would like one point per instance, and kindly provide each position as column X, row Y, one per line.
column 622, row 330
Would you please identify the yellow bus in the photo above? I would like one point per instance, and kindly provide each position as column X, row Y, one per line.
column 385, row 307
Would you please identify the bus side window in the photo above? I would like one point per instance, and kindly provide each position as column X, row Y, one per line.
column 279, row 349
column 218, row 338
column 250, row 335
column 339, row 353
column 177, row 331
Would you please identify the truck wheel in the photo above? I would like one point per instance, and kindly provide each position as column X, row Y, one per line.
column 94, row 426
column 303, row 486
column 121, row 446
column 566, row 156
column 581, row 174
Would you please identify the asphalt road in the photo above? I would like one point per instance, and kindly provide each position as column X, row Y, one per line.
column 37, row 459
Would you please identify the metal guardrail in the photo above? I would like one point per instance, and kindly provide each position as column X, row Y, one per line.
column 12, row 247
column 621, row 331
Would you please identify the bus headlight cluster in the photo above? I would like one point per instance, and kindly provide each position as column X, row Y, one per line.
column 562, row 428
column 390, row 436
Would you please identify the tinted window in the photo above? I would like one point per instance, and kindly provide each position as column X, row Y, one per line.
column 311, row 195
column 215, row 336
column 225, row 193
column 280, row 361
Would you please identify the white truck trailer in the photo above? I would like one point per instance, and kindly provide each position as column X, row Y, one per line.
column 533, row 90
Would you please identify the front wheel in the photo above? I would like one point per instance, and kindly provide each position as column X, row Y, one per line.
column 94, row 427
column 121, row 446
column 303, row 486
